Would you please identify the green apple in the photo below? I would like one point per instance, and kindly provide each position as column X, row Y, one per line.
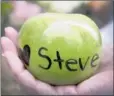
column 60, row 49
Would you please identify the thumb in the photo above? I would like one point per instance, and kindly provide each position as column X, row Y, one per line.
column 14, row 62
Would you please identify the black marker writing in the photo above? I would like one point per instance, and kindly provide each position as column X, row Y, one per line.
column 44, row 56
column 24, row 55
column 94, row 58
column 59, row 60
column 81, row 65
column 69, row 63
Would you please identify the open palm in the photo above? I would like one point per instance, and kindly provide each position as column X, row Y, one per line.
column 99, row 84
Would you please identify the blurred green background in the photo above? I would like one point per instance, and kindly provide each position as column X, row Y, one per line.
column 15, row 13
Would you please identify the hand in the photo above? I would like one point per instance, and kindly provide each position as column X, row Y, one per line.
column 99, row 84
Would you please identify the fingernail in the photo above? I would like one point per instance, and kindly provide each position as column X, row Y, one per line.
column 6, row 28
column 3, row 55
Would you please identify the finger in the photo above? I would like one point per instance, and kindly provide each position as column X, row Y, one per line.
column 44, row 88
column 66, row 90
column 100, row 84
column 28, row 82
column 12, row 34
column 14, row 63
column 7, row 45
column 106, row 60
column 27, row 79
column 22, row 75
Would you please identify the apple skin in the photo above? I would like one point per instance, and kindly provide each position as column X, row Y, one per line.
column 73, row 35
